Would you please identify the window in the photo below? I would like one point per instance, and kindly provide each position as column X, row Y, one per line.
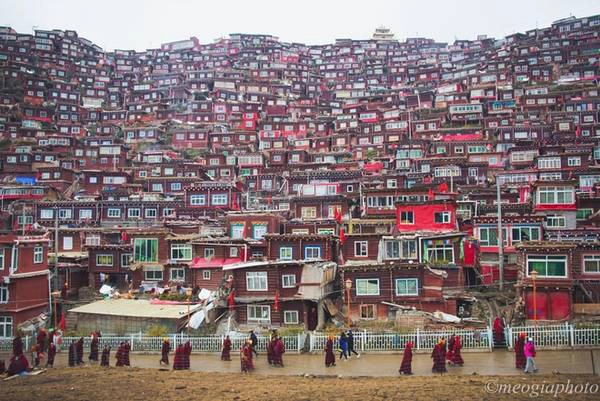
column 145, row 250
column 547, row 265
column 150, row 213
column 205, row 274
column 256, row 281
column 64, row 214
column 285, row 253
column 84, row 214
column 259, row 231
column 546, row 163
column 367, row 286
column 177, row 273
column 38, row 254
column 584, row 214
column 92, row 240
column 168, row 212
column 125, row 259
column 555, row 195
column 1, row 258
column 46, row 214
column 233, row 252
column 441, row 253
column 259, row 314
column 591, row 264
column 290, row 317
column 113, row 212
column 197, row 200
column 574, row 161
column 288, row 280
column 407, row 217
column 3, row 294
column 218, row 199
column 401, row 249
column 175, row 186
column 361, row 248
column 6, row 324
column 133, row 213
column 308, row 212
column 153, row 273
column 391, row 184
column 442, row 217
column 312, row 252
column 67, row 244
column 181, row 252
column 367, row 312
column 407, row 286
column 104, row 260
column 556, row 221
column 522, row 234
column 325, row 231
column 209, row 253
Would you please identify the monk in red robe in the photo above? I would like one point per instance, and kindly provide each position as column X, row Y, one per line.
column 126, row 349
column 329, row 355
column 439, row 358
column 17, row 345
column 456, row 348
column 41, row 341
column 105, row 358
column 278, row 351
column 450, row 350
column 520, row 351
column 79, row 351
column 178, row 360
column 246, row 357
column 94, row 347
column 51, row 355
column 406, row 366
column 270, row 350
column 226, row 351
column 119, row 355
column 498, row 330
column 166, row 348
column 72, row 354
column 187, row 350
column 18, row 364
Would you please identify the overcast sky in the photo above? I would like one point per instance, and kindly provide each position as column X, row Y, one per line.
column 143, row 24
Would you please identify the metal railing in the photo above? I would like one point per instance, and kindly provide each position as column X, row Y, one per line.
column 557, row 336
column 421, row 339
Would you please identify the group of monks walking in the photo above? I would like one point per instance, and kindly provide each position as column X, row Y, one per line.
column 447, row 352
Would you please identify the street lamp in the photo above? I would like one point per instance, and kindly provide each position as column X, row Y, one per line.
column 188, row 292
column 534, row 278
column 348, row 288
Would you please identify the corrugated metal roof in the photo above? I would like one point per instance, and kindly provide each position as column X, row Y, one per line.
column 135, row 308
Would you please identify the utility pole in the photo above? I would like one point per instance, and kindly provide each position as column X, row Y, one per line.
column 500, row 238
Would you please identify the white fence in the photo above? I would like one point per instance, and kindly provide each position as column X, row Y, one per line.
column 422, row 340
column 557, row 336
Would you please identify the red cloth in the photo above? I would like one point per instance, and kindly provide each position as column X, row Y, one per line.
column 329, row 355
column 79, row 350
column 231, row 300
column 450, row 352
column 342, row 236
column 276, row 304
column 278, row 351
column 94, row 346
column 270, row 348
column 166, row 348
column 439, row 359
column 246, row 358
column 105, row 359
column 187, row 350
column 443, row 187
column 226, row 352
column 63, row 323
column 520, row 359
column 456, row 356
column 498, row 330
column 51, row 354
column 406, row 366
column 17, row 346
column 179, row 359
column 41, row 341
column 72, row 354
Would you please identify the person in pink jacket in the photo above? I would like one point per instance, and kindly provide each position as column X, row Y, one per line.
column 529, row 351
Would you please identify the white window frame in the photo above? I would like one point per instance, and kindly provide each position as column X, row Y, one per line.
column 406, row 280
column 131, row 214
column 155, row 273
column 257, row 281
column 38, row 254
column 150, row 213
column 290, row 317
column 85, row 214
column 288, row 281
column 361, row 249
column 180, row 274
column 309, row 252
column 205, row 274
column 593, row 259
column 446, row 217
column 368, row 281
column 545, row 258
column 362, row 317
column 112, row 259
column 197, row 200
column 111, row 212
column 6, row 323
column 251, row 317
column 126, row 259
column 283, row 253
column 4, row 294
column 218, row 199
column 186, row 249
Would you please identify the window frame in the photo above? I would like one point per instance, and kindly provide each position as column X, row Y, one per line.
column 363, row 249
column 147, row 241
column 254, row 278
column 367, row 293
column 38, row 254
column 591, row 258
column 181, row 247
column 286, row 248
column 545, row 259
column 286, row 315
column 412, row 294
column 255, row 319
column 309, row 249
column 290, row 282
column 105, row 255
column 177, row 270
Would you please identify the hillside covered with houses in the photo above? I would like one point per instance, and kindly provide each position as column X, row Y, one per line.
column 274, row 184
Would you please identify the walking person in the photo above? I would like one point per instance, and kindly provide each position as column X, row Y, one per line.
column 406, row 366
column 520, row 351
column 105, row 357
column 165, row 349
column 94, row 347
column 351, row 345
column 278, row 351
column 343, row 346
column 498, row 330
column 457, row 359
column 226, row 352
column 72, row 354
column 178, row 359
column 529, row 351
column 254, row 343
column 329, row 355
column 439, row 358
column 51, row 354
column 450, row 351
column 246, row 357
column 79, row 351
